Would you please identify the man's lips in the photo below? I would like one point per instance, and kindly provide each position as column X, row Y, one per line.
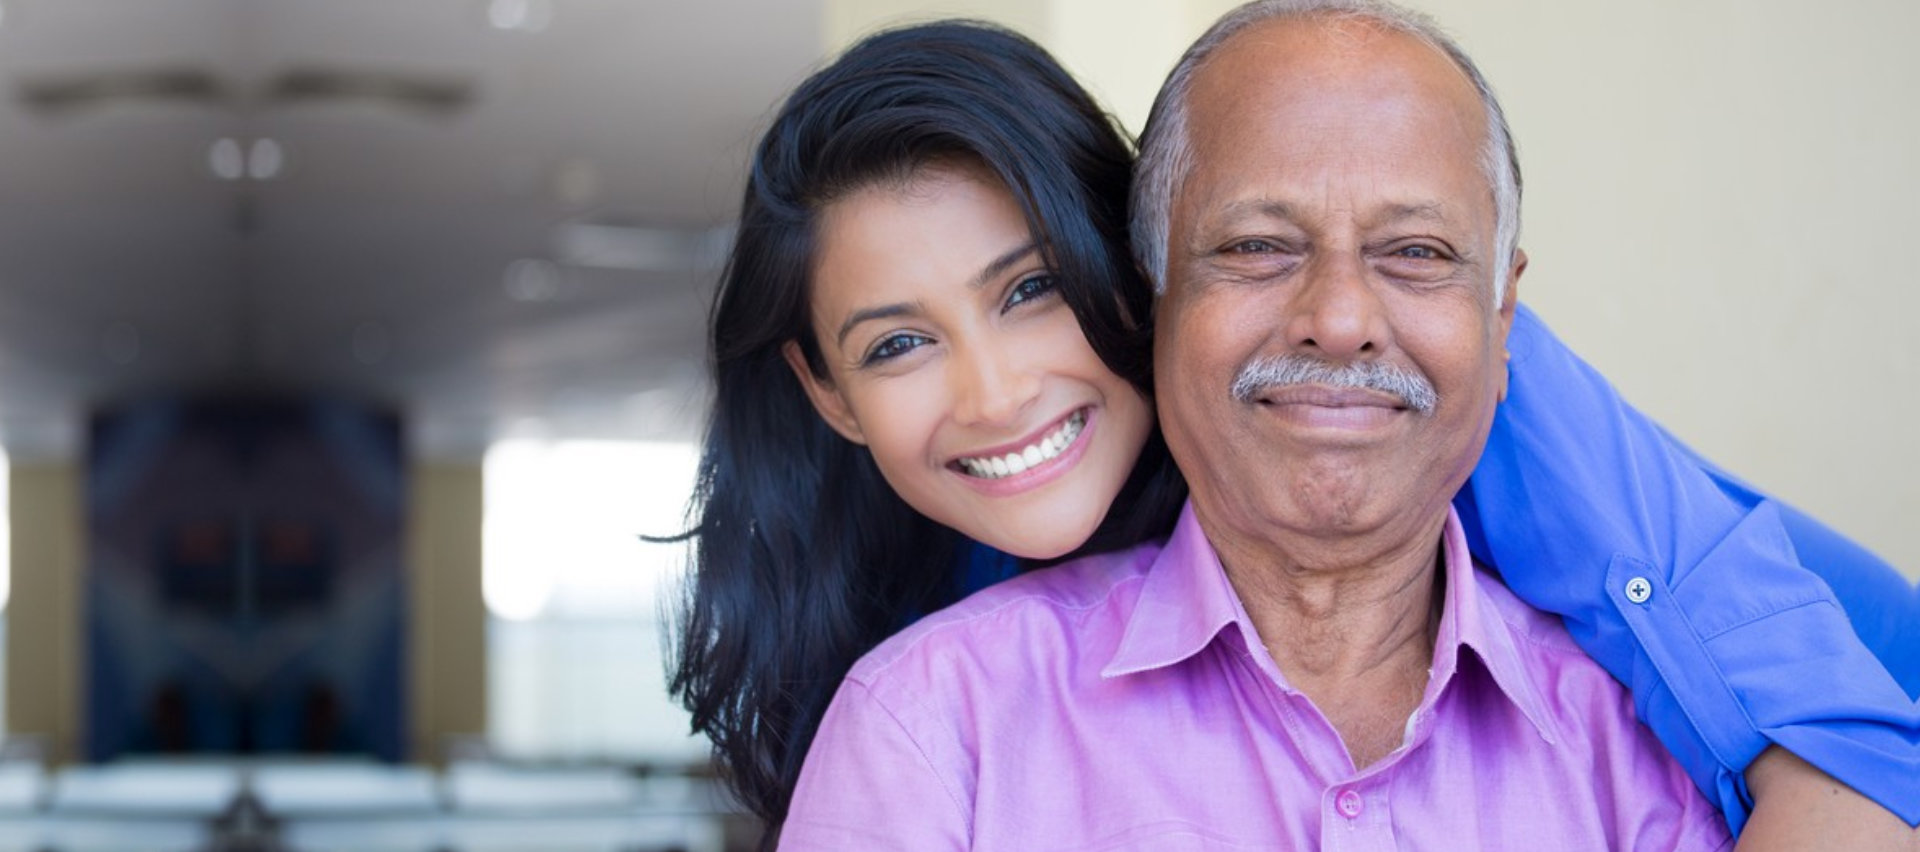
column 1345, row 409
column 1325, row 397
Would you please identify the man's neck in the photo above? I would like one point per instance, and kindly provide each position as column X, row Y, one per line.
column 1350, row 623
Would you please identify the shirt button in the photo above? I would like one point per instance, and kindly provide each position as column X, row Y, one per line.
column 1350, row 804
column 1639, row 590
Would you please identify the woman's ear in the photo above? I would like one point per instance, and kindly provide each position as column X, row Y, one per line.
column 826, row 398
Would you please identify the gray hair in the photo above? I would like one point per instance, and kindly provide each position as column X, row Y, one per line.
column 1272, row 372
column 1166, row 151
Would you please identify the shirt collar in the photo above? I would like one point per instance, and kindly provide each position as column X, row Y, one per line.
column 1471, row 618
column 1186, row 600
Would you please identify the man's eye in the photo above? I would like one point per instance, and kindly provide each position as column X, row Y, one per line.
column 895, row 346
column 1252, row 247
column 1030, row 288
column 1419, row 253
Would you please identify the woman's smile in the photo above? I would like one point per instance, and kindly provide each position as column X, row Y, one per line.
column 952, row 356
column 1033, row 464
column 1023, row 456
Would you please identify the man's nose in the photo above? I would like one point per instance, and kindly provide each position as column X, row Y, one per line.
column 1336, row 314
column 989, row 386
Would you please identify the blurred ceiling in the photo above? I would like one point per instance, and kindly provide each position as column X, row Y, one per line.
column 500, row 217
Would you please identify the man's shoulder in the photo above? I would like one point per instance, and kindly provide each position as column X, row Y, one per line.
column 1573, row 685
column 1540, row 634
column 1031, row 615
column 1587, row 720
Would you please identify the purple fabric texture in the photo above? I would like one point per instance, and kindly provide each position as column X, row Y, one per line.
column 1125, row 701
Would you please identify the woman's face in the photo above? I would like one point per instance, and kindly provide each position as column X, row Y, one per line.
column 951, row 355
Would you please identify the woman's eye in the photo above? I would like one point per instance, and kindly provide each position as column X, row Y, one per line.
column 894, row 346
column 1030, row 288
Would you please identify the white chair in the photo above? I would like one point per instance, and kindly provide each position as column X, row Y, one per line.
column 181, row 790
column 343, row 788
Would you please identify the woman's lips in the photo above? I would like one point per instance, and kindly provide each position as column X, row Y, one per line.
column 1000, row 479
column 1014, row 459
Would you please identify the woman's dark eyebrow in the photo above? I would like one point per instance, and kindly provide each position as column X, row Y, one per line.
column 1002, row 263
column 993, row 270
column 897, row 309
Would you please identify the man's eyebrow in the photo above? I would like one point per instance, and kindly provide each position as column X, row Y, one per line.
column 1431, row 211
column 897, row 309
column 1001, row 264
column 1268, row 207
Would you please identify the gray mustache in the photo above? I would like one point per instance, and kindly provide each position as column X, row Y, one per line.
column 1263, row 374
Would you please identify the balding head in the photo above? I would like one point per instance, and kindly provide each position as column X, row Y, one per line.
column 1335, row 292
column 1166, row 155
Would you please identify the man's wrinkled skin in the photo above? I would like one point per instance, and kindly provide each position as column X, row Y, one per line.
column 1290, row 237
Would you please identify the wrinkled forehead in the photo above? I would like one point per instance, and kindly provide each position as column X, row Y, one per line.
column 1308, row 99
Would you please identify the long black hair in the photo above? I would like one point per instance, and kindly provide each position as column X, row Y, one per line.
column 804, row 557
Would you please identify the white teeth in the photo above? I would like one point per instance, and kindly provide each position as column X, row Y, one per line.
column 1049, row 446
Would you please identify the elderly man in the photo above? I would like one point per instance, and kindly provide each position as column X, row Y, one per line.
column 1312, row 660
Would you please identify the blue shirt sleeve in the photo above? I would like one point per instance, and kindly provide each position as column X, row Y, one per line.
column 1687, row 585
column 979, row 566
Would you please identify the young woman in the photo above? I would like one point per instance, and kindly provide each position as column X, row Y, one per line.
column 931, row 348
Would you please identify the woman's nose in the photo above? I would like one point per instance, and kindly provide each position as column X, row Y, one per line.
column 989, row 388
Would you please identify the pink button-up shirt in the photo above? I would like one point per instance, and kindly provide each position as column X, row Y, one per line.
column 1124, row 701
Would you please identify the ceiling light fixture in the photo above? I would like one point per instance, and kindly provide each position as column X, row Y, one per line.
column 225, row 160
column 532, row 279
column 527, row 16
column 265, row 159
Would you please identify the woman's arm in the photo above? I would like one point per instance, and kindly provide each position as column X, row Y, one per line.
column 1798, row 808
column 1686, row 586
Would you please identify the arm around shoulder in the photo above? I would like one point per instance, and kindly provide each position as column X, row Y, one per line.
column 1682, row 584
column 1798, row 807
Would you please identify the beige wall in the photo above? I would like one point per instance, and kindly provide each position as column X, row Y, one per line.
column 1720, row 200
column 1719, row 209
column 447, row 626
column 43, row 656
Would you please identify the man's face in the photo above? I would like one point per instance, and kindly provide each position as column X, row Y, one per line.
column 1337, row 217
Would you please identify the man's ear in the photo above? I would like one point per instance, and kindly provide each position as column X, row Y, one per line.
column 825, row 397
column 1509, row 297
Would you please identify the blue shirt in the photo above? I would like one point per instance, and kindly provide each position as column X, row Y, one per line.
column 1735, row 620
column 1695, row 590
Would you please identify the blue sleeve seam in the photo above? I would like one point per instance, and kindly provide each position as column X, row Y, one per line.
column 1781, row 610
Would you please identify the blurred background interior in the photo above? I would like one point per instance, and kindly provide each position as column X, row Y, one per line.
column 347, row 346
